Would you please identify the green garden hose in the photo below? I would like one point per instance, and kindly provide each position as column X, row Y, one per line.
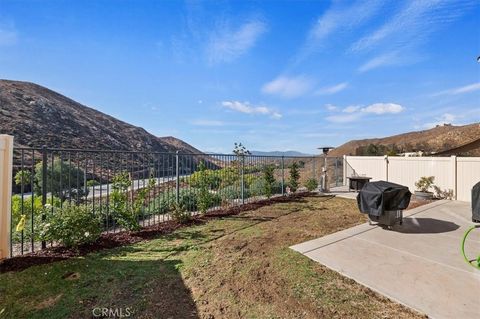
column 474, row 263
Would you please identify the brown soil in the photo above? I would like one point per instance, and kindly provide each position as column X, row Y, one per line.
column 252, row 276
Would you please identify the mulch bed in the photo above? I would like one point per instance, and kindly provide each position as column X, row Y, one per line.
column 112, row 240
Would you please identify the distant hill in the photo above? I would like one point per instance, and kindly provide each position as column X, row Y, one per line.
column 279, row 153
column 442, row 140
column 37, row 116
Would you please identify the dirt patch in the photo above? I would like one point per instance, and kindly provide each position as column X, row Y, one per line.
column 257, row 275
column 112, row 240
column 49, row 302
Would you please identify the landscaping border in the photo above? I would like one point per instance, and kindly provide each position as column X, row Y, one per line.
column 112, row 240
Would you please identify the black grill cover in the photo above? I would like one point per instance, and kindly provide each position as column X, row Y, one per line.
column 377, row 197
column 476, row 202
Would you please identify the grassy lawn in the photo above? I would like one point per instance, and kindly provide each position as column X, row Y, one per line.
column 233, row 267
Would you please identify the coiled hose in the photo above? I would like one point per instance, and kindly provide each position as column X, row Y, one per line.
column 473, row 263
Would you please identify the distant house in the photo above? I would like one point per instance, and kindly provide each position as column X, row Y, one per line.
column 412, row 154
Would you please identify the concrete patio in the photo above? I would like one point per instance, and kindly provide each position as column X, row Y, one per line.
column 418, row 264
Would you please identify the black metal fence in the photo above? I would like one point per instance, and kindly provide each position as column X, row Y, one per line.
column 46, row 179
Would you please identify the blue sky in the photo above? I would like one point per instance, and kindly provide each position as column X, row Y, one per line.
column 274, row 75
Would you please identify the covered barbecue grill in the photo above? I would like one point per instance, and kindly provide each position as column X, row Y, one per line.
column 476, row 203
column 384, row 202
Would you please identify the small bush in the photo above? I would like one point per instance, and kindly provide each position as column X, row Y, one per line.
column 424, row 183
column 257, row 188
column 22, row 215
column 233, row 192
column 188, row 199
column 71, row 225
column 92, row 182
column 311, row 184
column 179, row 213
column 443, row 194
column 23, row 177
column 126, row 213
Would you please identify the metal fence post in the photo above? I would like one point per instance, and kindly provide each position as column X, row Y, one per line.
column 44, row 186
column 283, row 175
column 177, row 179
column 314, row 170
column 345, row 163
column 242, row 180
column 6, row 164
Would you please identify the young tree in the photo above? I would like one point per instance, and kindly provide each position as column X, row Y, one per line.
column 269, row 180
column 294, row 177
column 63, row 180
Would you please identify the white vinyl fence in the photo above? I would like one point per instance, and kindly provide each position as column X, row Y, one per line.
column 456, row 173
column 6, row 153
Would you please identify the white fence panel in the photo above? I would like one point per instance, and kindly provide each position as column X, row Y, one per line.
column 468, row 174
column 456, row 173
column 371, row 166
column 407, row 170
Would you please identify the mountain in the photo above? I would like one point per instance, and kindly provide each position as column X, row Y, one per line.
column 442, row 140
column 37, row 116
column 279, row 153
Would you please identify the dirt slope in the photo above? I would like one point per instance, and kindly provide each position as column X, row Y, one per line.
column 438, row 139
column 38, row 116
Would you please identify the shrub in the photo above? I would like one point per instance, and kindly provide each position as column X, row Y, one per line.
column 258, row 187
column 233, row 192
column 23, row 177
column 25, row 215
column 294, row 177
column 179, row 213
column 311, row 184
column 188, row 199
column 424, row 183
column 162, row 203
column 125, row 213
column 63, row 180
column 443, row 194
column 92, row 182
column 71, row 225
column 210, row 178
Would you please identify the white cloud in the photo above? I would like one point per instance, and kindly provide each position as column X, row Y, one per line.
column 339, row 18
column 203, row 122
column 460, row 90
column 225, row 44
column 351, row 109
column 446, row 118
column 390, row 58
column 383, row 108
column 355, row 112
column 332, row 89
column 409, row 27
column 247, row 108
column 414, row 21
column 331, row 107
column 288, row 86
column 344, row 118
